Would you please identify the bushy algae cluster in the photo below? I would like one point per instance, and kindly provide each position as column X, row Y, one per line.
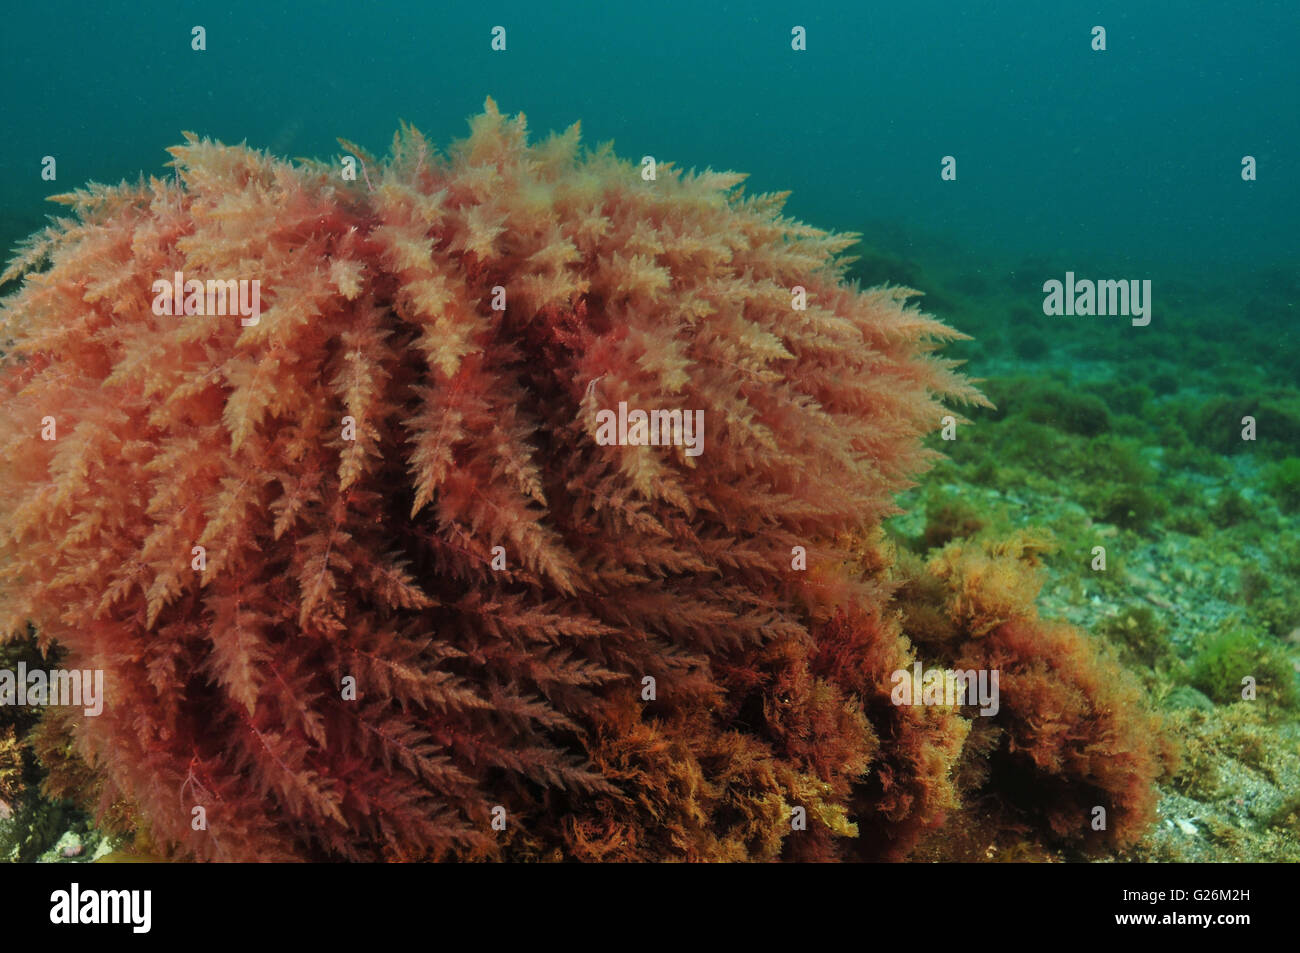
column 1162, row 484
column 366, row 584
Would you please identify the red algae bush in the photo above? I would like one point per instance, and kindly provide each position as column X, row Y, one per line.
column 379, row 564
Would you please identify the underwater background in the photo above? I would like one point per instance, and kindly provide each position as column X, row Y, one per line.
column 1117, row 164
